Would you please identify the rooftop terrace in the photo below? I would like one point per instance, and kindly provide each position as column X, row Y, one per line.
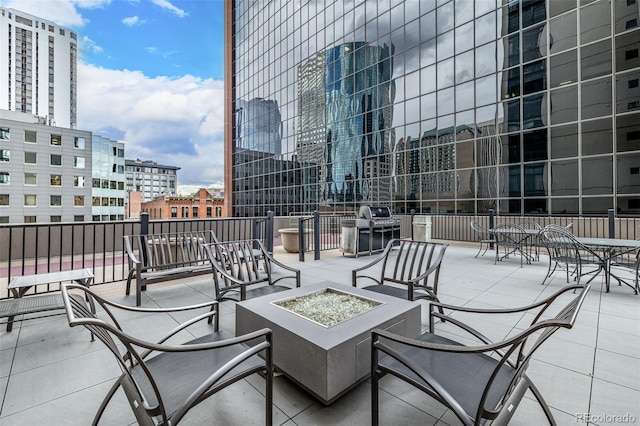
column 53, row 374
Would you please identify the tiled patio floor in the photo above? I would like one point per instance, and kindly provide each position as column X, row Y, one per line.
column 51, row 374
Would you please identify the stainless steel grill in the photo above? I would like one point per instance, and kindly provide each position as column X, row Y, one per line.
column 370, row 231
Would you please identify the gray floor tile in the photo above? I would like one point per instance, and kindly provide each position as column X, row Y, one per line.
column 610, row 399
column 619, row 369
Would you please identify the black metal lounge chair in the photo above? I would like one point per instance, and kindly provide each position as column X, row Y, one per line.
column 164, row 381
column 566, row 253
column 481, row 384
column 413, row 266
column 237, row 274
column 485, row 237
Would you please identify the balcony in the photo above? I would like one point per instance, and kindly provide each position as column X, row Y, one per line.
column 53, row 374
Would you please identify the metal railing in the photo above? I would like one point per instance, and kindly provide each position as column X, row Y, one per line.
column 39, row 248
column 28, row 248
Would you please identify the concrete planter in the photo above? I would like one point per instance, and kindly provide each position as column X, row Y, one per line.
column 290, row 237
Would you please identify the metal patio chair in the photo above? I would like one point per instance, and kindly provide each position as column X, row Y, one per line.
column 237, row 275
column 485, row 237
column 163, row 381
column 630, row 262
column 483, row 383
column 567, row 253
column 406, row 269
column 534, row 240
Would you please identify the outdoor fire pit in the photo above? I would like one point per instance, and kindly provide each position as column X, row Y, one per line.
column 322, row 332
column 329, row 306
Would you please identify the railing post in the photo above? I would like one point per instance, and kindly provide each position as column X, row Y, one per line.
column 316, row 234
column 144, row 230
column 491, row 224
column 269, row 231
column 144, row 223
column 612, row 223
column 301, row 238
column 413, row 213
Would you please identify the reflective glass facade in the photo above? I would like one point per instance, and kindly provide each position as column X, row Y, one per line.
column 439, row 106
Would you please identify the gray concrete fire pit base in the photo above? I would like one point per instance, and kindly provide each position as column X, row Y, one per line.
column 326, row 361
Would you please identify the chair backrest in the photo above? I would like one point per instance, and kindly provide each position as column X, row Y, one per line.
column 237, row 261
column 128, row 353
column 482, row 232
column 529, row 224
column 562, row 244
column 411, row 260
column 170, row 249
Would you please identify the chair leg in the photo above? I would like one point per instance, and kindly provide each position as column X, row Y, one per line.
column 106, row 401
column 542, row 402
column 375, row 409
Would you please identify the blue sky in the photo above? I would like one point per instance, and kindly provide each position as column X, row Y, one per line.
column 150, row 74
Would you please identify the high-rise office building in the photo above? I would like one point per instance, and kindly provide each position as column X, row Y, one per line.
column 529, row 106
column 38, row 68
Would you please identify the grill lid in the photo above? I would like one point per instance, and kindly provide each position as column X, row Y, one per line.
column 374, row 213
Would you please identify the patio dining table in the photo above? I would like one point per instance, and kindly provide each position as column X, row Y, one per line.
column 611, row 248
column 518, row 238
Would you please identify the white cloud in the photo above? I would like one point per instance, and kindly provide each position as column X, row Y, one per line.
column 173, row 121
column 173, row 9
column 62, row 12
column 133, row 21
column 87, row 44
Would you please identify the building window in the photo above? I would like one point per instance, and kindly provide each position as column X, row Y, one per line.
column 4, row 133
column 105, row 201
column 29, row 219
column 30, row 157
column 30, row 179
column 78, row 143
column 185, row 211
column 78, row 181
column 632, row 23
column 78, row 218
column 631, row 54
column 78, row 200
column 174, row 212
column 4, row 199
column 55, row 200
column 56, row 160
column 30, row 200
column 209, row 210
column 55, row 219
column 634, row 171
column 30, row 136
column 56, row 140
column 95, row 183
column 194, row 210
column 95, row 202
column 4, row 155
column 121, row 186
column 4, row 177
column 78, row 162
column 55, row 180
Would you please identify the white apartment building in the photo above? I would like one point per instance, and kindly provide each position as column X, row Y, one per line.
column 38, row 68
column 107, row 183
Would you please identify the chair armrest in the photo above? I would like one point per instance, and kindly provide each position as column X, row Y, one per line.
column 129, row 249
column 434, row 267
column 382, row 257
column 266, row 344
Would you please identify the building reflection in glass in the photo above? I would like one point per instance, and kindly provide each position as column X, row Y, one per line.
column 517, row 106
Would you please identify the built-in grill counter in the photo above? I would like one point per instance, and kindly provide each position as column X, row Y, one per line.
column 370, row 232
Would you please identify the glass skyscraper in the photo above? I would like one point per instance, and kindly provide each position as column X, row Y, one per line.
column 527, row 106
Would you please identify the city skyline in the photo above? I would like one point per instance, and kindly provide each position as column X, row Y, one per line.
column 155, row 89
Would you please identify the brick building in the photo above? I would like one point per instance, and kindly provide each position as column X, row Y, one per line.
column 203, row 203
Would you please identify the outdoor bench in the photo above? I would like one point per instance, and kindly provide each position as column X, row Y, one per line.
column 22, row 304
column 165, row 257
